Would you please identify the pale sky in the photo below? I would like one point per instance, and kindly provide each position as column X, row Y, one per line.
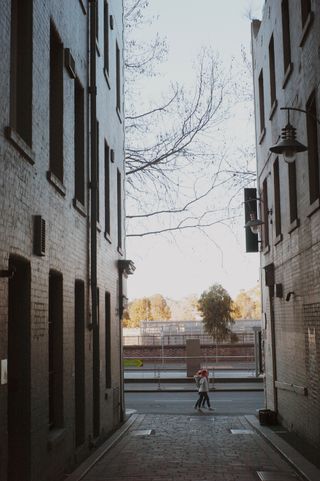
column 191, row 262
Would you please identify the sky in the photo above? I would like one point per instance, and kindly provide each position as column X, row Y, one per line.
column 190, row 262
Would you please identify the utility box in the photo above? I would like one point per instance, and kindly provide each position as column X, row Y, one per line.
column 193, row 356
column 267, row 417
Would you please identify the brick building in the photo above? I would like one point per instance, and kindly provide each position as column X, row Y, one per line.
column 285, row 47
column 62, row 252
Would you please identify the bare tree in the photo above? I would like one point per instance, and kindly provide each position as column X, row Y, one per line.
column 176, row 157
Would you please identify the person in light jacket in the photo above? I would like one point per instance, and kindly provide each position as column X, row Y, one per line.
column 204, row 389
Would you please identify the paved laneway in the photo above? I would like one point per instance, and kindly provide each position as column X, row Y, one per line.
column 191, row 448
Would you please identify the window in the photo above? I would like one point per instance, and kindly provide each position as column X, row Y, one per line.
column 79, row 141
column 261, row 104
column 107, row 188
column 106, row 36
column 119, row 209
column 293, row 192
column 118, row 79
column 79, row 361
column 305, row 11
column 56, row 104
column 286, row 35
column 97, row 19
column 98, row 173
column 21, row 69
column 55, row 338
column 313, row 153
column 277, row 203
column 108, row 338
column 265, row 213
column 273, row 95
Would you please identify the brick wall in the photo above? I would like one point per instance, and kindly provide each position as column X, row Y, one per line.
column 24, row 192
column 293, row 361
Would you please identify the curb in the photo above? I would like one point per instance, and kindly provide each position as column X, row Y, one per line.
column 231, row 389
column 306, row 469
column 89, row 462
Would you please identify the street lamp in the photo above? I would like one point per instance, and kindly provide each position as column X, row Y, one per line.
column 288, row 145
column 254, row 223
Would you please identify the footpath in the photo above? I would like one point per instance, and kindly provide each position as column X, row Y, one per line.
column 195, row 447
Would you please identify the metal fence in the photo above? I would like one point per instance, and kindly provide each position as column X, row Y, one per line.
column 180, row 339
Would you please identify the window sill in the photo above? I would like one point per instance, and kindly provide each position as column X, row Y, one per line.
column 306, row 28
column 294, row 225
column 287, row 75
column 262, row 135
column 20, row 144
column 55, row 437
column 278, row 239
column 99, row 229
column 313, row 207
column 119, row 249
column 57, row 184
column 79, row 207
column 84, row 9
column 273, row 108
column 119, row 114
column 107, row 237
column 106, row 76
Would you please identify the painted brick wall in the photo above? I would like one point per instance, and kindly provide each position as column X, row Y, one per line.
column 25, row 192
column 294, row 361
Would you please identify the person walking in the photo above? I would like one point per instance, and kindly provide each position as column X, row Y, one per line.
column 204, row 388
column 197, row 377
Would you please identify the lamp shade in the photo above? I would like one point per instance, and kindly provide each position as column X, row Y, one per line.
column 288, row 146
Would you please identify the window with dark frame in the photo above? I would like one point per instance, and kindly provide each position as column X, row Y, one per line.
column 305, row 11
column 286, row 35
column 79, row 142
column 261, row 103
column 98, row 173
column 118, row 78
column 21, row 68
column 106, row 36
column 313, row 150
column 293, row 201
column 273, row 94
column 119, row 209
column 56, row 104
column 265, row 214
column 107, row 187
column 108, row 338
column 277, row 199
column 55, row 350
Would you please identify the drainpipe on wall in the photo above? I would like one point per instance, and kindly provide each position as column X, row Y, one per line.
column 93, row 188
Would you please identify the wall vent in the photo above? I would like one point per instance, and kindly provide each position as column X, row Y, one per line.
column 70, row 63
column 39, row 240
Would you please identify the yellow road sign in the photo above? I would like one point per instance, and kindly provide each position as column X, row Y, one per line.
column 133, row 363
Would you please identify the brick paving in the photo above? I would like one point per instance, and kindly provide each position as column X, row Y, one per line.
column 189, row 448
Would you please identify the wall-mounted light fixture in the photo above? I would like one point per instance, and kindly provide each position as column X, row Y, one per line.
column 254, row 223
column 288, row 145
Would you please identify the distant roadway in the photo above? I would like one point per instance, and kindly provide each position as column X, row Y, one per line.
column 224, row 403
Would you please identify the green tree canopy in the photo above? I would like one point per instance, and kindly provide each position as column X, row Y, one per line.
column 216, row 308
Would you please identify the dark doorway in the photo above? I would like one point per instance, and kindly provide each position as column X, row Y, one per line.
column 79, row 362
column 19, row 372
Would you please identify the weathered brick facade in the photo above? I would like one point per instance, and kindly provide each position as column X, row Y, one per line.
column 36, row 444
column 290, row 261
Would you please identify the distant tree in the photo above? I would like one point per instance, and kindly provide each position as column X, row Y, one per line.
column 139, row 310
column 247, row 304
column 184, row 309
column 216, row 307
column 160, row 310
